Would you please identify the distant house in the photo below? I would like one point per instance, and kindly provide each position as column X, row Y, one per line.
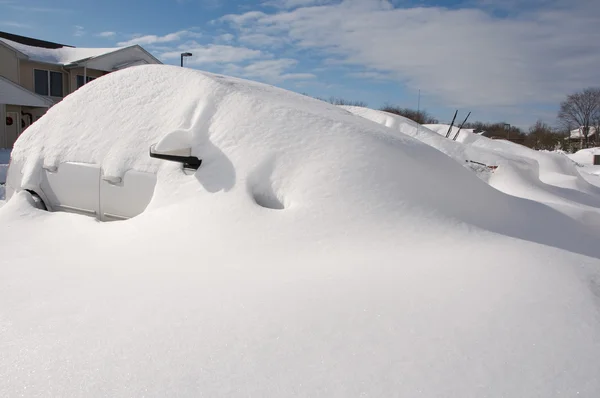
column 36, row 74
column 577, row 134
column 576, row 137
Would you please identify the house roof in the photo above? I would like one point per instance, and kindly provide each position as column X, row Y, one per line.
column 119, row 59
column 30, row 41
column 13, row 94
column 60, row 55
column 578, row 133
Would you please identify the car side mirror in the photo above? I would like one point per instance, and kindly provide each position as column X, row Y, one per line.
column 182, row 155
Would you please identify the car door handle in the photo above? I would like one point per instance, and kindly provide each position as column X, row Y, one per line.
column 112, row 180
column 51, row 169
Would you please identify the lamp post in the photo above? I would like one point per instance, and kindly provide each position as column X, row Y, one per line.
column 507, row 128
column 184, row 55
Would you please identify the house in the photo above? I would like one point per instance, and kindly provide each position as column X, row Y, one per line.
column 576, row 139
column 36, row 74
column 577, row 134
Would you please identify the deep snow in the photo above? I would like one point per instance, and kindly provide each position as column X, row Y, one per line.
column 377, row 265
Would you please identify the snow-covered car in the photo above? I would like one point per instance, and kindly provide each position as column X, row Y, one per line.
column 83, row 186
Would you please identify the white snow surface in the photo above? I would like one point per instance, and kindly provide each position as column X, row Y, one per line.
column 63, row 55
column 314, row 253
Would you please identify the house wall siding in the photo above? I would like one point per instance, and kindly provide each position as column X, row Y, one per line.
column 9, row 64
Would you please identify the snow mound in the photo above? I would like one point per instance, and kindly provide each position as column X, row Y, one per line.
column 314, row 253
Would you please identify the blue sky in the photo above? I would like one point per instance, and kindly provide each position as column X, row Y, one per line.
column 504, row 60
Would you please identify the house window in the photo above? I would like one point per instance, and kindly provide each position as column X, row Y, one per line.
column 80, row 80
column 48, row 82
column 41, row 81
column 56, row 84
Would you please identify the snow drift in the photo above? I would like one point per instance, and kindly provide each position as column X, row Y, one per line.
column 313, row 253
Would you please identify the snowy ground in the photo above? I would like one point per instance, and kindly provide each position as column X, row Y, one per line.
column 390, row 268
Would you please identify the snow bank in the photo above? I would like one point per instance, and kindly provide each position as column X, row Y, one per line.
column 314, row 253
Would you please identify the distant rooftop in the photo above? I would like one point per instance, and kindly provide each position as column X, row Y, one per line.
column 29, row 41
column 578, row 133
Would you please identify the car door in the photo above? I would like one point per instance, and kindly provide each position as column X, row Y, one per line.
column 125, row 197
column 72, row 187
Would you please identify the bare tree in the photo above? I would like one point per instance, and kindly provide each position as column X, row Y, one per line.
column 342, row 101
column 581, row 109
column 339, row 101
column 542, row 136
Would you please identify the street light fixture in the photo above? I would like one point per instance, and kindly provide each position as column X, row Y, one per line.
column 184, row 55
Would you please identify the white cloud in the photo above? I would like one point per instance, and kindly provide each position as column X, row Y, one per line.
column 370, row 75
column 239, row 19
column 463, row 57
column 227, row 37
column 214, row 54
column 288, row 4
column 272, row 70
column 261, row 40
column 107, row 34
column 152, row 39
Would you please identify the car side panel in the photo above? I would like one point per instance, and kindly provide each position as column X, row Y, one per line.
column 72, row 187
column 126, row 197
